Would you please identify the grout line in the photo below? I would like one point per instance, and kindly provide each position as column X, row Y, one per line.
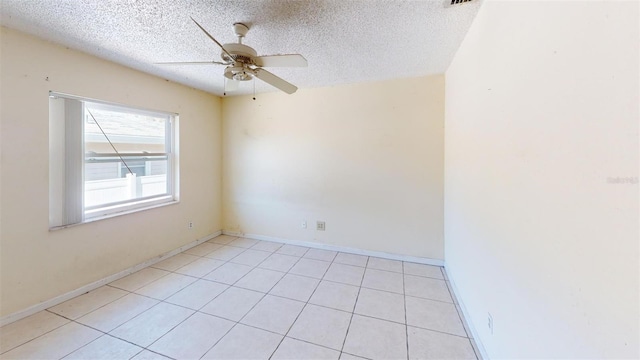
column 74, row 350
column 276, row 284
column 303, row 307
column 198, row 311
column 4, row 351
column 103, row 334
column 170, row 330
column 127, row 292
column 344, row 341
column 438, row 331
column 423, row 298
column 155, row 352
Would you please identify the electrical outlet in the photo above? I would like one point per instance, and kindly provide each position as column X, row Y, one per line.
column 320, row 226
column 190, row 225
column 304, row 224
column 490, row 323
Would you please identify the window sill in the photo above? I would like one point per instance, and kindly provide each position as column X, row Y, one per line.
column 116, row 214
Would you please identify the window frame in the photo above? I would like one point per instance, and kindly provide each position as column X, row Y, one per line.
column 98, row 212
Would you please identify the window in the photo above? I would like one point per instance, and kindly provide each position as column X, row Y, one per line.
column 107, row 159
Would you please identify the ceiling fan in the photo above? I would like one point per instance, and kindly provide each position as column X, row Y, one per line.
column 243, row 63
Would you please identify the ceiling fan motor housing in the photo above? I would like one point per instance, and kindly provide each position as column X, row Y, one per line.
column 240, row 52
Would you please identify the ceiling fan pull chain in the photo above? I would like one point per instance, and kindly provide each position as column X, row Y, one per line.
column 254, row 88
column 224, row 92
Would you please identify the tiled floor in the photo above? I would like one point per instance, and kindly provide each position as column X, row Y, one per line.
column 236, row 298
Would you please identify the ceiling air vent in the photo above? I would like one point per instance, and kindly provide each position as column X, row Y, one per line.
column 455, row 2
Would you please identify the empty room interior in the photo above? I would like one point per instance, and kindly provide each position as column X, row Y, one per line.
column 319, row 179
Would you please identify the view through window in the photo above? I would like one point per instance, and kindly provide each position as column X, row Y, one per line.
column 115, row 158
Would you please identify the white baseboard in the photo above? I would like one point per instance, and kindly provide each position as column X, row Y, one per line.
column 380, row 254
column 96, row 284
column 467, row 318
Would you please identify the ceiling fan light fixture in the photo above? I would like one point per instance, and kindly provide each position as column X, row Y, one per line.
column 238, row 73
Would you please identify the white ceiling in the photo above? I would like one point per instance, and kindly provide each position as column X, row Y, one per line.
column 344, row 41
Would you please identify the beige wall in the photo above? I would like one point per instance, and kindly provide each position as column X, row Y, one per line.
column 541, row 118
column 37, row 264
column 367, row 159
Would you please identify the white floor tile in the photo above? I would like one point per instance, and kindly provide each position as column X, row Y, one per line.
column 192, row 338
column 55, row 344
column 384, row 264
column 243, row 243
column 260, row 280
column 292, row 250
column 166, row 286
column 29, row 328
column 295, row 287
column 251, row 257
column 383, row 280
column 175, row 262
column 381, row 304
column 427, row 344
column 234, row 344
column 427, row 288
column 346, row 274
column 152, row 324
column 228, row 273
column 321, row 326
column 139, row 279
column 149, row 355
column 267, row 246
column 105, row 347
column 203, row 249
column 351, row 259
column 197, row 294
column 423, row 270
column 433, row 315
column 311, row 268
column 292, row 349
column 233, row 304
column 274, row 314
column 200, row 267
column 226, row 253
column 336, row 296
column 319, row 254
column 376, row 339
column 117, row 313
column 279, row 262
column 222, row 239
column 205, row 297
column 86, row 303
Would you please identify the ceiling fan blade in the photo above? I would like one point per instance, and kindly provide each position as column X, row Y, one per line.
column 231, row 85
column 191, row 63
column 275, row 81
column 289, row 60
column 212, row 38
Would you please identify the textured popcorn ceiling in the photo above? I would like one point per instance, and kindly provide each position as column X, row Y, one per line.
column 343, row 41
